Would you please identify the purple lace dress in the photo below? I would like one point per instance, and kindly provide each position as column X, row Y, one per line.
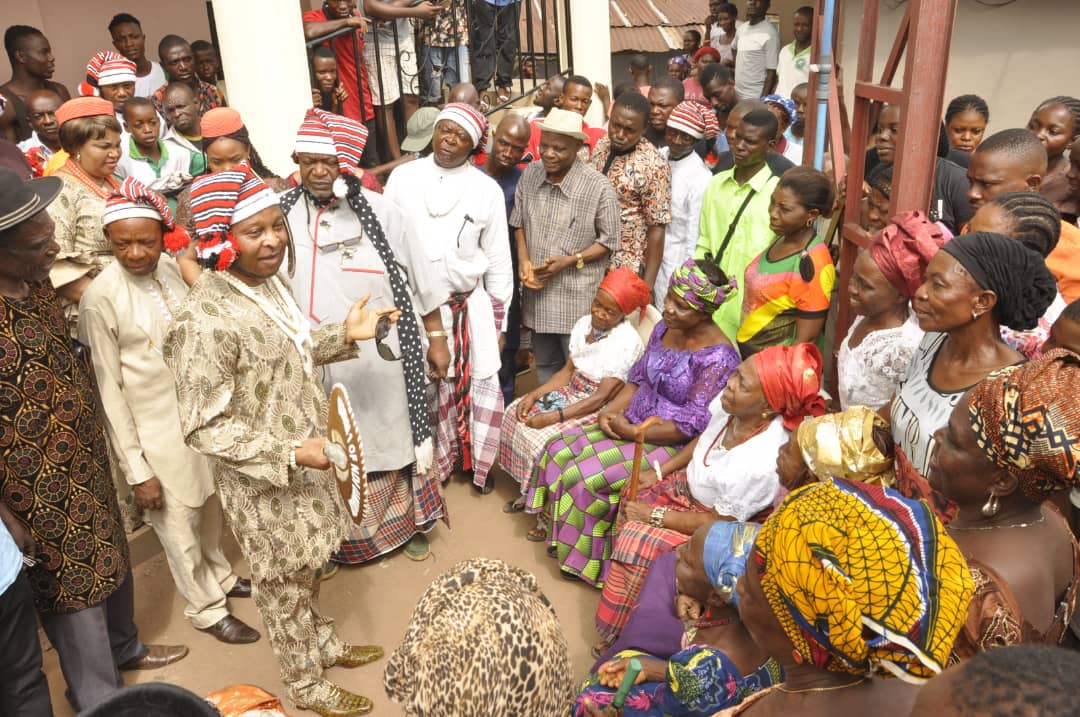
column 582, row 471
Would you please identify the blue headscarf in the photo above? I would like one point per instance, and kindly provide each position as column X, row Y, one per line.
column 727, row 546
column 786, row 104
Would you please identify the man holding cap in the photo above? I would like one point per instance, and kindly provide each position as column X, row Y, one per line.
column 566, row 224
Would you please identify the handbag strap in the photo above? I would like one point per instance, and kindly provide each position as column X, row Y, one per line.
column 732, row 226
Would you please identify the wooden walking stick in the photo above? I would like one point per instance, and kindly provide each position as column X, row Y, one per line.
column 639, row 449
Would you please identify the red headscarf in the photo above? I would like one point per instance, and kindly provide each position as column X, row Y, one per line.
column 791, row 381
column 627, row 288
column 707, row 51
column 904, row 248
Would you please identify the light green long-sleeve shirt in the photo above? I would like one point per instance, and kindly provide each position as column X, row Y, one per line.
column 723, row 197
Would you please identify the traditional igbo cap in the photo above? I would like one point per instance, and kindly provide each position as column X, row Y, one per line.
column 691, row 284
column 904, row 248
column 84, row 107
column 727, row 547
column 627, row 289
column 220, row 200
column 841, row 445
column 562, row 122
column 134, row 200
column 106, row 68
column 695, row 119
column 790, row 378
column 468, row 118
column 219, row 122
column 326, row 133
column 1027, row 421
column 785, row 103
column 863, row 580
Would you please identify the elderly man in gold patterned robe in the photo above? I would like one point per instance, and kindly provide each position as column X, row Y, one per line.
column 244, row 359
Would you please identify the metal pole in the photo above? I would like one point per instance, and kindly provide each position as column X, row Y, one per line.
column 824, row 71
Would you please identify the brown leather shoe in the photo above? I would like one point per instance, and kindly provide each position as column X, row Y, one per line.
column 241, row 589
column 157, row 656
column 338, row 703
column 356, row 655
column 233, row 631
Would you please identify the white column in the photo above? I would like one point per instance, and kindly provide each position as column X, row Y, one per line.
column 265, row 64
column 590, row 39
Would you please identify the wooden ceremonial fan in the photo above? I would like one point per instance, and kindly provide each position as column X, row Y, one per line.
column 345, row 451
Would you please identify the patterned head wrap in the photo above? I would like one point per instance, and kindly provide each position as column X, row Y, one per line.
column 626, row 288
column 134, row 200
column 904, row 248
column 1027, row 421
column 468, row 118
column 220, row 200
column 727, row 547
column 106, row 68
column 841, row 445
column 220, row 122
column 84, row 107
column 1025, row 288
column 682, row 61
column 785, row 103
column 864, row 580
column 791, row 381
column 691, row 284
column 695, row 119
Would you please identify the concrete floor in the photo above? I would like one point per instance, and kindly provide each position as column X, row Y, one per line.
column 372, row 604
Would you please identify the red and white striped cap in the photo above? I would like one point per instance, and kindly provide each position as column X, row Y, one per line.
column 329, row 134
column 220, row 200
column 106, row 68
column 134, row 200
column 468, row 118
column 695, row 119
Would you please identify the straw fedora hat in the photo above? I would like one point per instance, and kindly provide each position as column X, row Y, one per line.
column 563, row 122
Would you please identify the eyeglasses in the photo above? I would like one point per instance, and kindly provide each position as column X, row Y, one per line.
column 382, row 330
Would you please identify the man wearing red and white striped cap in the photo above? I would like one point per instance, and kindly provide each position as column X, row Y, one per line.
column 244, row 358
column 687, row 125
column 460, row 216
column 350, row 242
column 111, row 76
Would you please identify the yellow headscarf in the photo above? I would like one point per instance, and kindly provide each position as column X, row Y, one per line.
column 841, row 445
column 864, row 580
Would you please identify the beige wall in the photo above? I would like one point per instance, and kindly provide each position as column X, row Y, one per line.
column 1013, row 56
column 77, row 30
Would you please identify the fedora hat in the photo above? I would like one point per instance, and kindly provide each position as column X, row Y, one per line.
column 563, row 122
column 21, row 200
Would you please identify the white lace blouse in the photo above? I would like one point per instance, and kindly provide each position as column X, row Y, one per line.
column 739, row 482
column 611, row 356
column 870, row 373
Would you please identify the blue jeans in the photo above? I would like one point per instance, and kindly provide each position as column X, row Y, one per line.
column 438, row 65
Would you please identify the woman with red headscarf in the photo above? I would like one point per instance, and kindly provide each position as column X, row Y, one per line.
column 727, row 473
column 603, row 347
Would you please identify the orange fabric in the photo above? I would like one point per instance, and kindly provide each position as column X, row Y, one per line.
column 627, row 288
column 220, row 121
column 237, row 700
column 1064, row 262
column 791, row 381
column 84, row 107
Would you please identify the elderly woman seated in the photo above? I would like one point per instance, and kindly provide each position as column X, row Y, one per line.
column 728, row 473
column 603, row 347
column 719, row 664
column 686, row 363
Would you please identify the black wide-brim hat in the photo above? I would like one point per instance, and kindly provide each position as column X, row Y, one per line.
column 153, row 699
column 22, row 200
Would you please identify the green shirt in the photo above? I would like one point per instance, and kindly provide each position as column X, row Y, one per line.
column 135, row 154
column 723, row 197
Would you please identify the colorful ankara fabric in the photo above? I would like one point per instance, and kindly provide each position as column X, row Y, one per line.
column 841, row 445
column 700, row 681
column 626, row 288
column 468, row 118
column 54, row 467
column 134, row 200
column 791, row 381
column 220, row 200
column 84, row 107
column 207, row 97
column 693, row 286
column 904, row 248
column 863, row 580
column 776, row 296
column 106, row 68
column 727, row 547
column 1025, row 288
column 326, row 133
column 483, row 640
column 694, row 119
column 1027, row 421
column 642, row 181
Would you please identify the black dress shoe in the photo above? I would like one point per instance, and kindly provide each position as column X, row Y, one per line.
column 232, row 630
column 489, row 485
column 156, row 656
column 241, row 589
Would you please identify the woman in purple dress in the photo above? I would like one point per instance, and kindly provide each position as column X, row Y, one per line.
column 582, row 472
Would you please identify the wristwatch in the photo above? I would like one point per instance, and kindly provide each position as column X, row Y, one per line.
column 580, row 261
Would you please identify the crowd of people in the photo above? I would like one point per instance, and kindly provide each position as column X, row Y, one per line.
column 766, row 531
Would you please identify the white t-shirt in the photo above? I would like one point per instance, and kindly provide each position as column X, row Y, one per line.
column 791, row 69
column 757, row 49
column 146, row 86
column 715, row 33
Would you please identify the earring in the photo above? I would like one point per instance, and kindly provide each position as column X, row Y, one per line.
column 974, row 315
column 991, row 507
column 77, row 155
column 809, row 223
